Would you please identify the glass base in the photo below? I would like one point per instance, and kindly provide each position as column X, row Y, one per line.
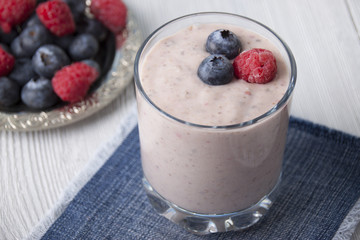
column 202, row 224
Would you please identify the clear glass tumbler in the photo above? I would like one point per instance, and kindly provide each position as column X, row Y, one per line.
column 212, row 178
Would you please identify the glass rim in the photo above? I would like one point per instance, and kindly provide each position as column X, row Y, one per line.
column 281, row 103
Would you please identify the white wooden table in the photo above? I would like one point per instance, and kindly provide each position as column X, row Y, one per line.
column 324, row 35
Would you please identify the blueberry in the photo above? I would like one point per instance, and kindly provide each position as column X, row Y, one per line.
column 48, row 59
column 93, row 27
column 34, row 36
column 23, row 71
column 39, row 94
column 7, row 38
column 77, row 8
column 64, row 41
column 33, row 20
column 5, row 48
column 215, row 70
column 30, row 39
column 17, row 48
column 83, row 47
column 223, row 42
column 9, row 92
column 93, row 64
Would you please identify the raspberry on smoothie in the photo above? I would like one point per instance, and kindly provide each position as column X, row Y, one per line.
column 255, row 66
column 175, row 66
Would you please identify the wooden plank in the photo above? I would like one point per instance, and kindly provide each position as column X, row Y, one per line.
column 36, row 167
column 354, row 9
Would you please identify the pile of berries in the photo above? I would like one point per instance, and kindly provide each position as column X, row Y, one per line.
column 254, row 66
column 49, row 50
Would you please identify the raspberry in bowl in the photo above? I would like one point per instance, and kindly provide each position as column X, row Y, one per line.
column 212, row 141
column 49, row 39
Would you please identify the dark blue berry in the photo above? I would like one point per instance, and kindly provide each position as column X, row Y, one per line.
column 33, row 20
column 215, row 70
column 23, row 71
column 17, row 48
column 34, row 36
column 93, row 27
column 39, row 94
column 48, row 59
column 77, row 8
column 30, row 39
column 93, row 64
column 5, row 48
column 83, row 47
column 9, row 92
column 223, row 42
column 64, row 42
column 7, row 38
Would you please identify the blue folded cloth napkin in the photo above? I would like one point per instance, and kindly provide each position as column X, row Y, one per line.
column 320, row 184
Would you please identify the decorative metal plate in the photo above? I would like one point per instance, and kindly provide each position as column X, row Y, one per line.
column 114, row 82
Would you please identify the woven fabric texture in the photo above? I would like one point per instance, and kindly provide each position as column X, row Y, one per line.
column 320, row 184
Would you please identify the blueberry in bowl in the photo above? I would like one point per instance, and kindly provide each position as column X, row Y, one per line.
column 38, row 93
column 9, row 92
column 87, row 42
column 48, row 59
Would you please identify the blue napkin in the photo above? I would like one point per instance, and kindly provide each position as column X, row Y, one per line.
column 321, row 182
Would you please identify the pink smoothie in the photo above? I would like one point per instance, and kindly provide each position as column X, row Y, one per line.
column 206, row 169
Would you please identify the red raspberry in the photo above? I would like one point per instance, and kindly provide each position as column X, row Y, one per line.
column 112, row 13
column 255, row 66
column 72, row 82
column 14, row 12
column 7, row 62
column 57, row 17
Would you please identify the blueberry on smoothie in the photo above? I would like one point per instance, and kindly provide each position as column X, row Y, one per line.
column 215, row 70
column 223, row 42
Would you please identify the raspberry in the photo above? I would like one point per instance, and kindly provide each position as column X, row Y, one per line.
column 72, row 82
column 14, row 12
column 255, row 66
column 112, row 13
column 7, row 62
column 57, row 17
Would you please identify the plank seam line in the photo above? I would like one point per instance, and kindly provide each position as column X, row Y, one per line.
column 352, row 18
